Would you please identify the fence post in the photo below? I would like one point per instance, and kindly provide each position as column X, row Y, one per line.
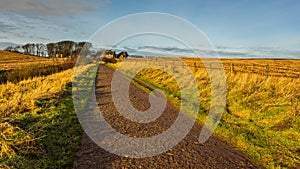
column 231, row 68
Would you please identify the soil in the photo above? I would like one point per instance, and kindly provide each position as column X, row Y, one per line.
column 189, row 153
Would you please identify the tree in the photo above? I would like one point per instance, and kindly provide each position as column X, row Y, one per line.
column 29, row 49
column 40, row 49
column 9, row 49
column 26, row 49
column 83, row 48
column 65, row 48
column 107, row 56
column 16, row 49
column 68, row 48
column 123, row 54
column 51, row 49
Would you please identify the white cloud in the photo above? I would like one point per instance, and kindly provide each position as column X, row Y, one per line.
column 223, row 52
column 38, row 8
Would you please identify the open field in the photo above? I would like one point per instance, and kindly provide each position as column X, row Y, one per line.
column 262, row 115
column 15, row 67
column 10, row 61
column 270, row 67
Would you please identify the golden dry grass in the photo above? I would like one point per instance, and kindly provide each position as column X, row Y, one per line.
column 11, row 61
column 35, row 117
column 15, row 67
column 20, row 98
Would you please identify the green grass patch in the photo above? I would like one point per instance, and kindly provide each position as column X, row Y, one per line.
column 54, row 135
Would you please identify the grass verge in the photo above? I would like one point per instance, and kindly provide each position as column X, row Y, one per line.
column 38, row 124
column 54, row 135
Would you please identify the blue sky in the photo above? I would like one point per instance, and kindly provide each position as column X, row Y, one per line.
column 270, row 27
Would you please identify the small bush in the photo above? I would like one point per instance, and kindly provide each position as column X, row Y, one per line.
column 109, row 60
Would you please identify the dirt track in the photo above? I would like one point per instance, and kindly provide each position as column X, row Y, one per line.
column 214, row 153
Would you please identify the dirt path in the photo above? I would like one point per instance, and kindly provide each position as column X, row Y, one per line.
column 214, row 153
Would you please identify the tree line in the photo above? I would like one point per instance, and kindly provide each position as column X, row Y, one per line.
column 59, row 49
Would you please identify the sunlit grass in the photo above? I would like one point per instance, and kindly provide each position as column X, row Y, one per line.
column 38, row 124
column 12, row 61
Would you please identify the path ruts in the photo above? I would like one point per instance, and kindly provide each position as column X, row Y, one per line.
column 214, row 153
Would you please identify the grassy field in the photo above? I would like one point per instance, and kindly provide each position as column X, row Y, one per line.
column 15, row 67
column 262, row 115
column 11, row 61
column 38, row 124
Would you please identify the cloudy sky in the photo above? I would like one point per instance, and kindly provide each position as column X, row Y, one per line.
column 240, row 27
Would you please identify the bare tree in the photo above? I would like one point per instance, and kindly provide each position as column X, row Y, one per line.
column 51, row 49
column 40, row 49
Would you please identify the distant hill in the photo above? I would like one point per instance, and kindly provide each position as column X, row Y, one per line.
column 11, row 60
column 5, row 55
column 4, row 45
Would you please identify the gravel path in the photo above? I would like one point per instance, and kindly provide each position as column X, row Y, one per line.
column 214, row 153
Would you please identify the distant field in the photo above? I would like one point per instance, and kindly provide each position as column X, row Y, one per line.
column 15, row 67
column 262, row 116
column 9, row 60
column 272, row 67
